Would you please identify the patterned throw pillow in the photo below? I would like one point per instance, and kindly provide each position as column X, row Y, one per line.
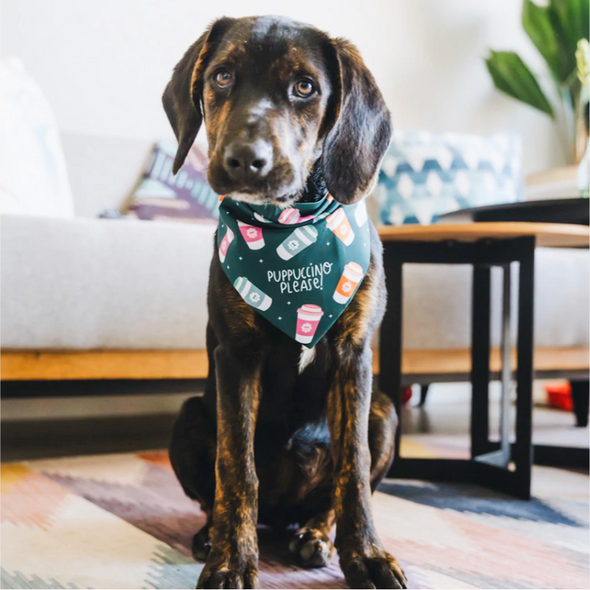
column 425, row 175
column 184, row 197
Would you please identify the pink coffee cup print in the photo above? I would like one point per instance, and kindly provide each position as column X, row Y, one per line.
column 351, row 277
column 252, row 235
column 228, row 238
column 339, row 224
column 290, row 215
column 308, row 319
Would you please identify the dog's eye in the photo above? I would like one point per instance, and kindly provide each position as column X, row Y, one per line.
column 304, row 89
column 223, row 78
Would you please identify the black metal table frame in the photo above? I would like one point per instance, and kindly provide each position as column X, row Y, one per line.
column 502, row 466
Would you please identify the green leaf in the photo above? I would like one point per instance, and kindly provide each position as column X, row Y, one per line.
column 513, row 77
column 569, row 19
column 537, row 24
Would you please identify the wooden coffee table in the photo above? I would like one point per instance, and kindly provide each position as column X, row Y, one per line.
column 502, row 465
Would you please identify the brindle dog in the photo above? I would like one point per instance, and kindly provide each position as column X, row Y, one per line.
column 283, row 435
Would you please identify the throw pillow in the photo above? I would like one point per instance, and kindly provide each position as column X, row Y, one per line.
column 425, row 175
column 184, row 197
column 33, row 176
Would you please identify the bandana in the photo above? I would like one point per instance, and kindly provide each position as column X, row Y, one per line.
column 299, row 267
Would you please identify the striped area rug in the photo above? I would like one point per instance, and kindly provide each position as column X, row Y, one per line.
column 122, row 521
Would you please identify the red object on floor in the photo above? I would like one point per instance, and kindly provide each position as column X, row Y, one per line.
column 406, row 394
column 559, row 395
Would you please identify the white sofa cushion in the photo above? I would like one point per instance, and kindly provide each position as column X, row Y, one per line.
column 115, row 284
column 104, row 284
column 437, row 302
column 33, row 176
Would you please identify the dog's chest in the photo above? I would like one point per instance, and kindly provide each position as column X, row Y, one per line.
column 294, row 385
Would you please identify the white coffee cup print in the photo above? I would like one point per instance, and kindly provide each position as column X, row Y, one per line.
column 339, row 224
column 228, row 238
column 351, row 277
column 251, row 294
column 297, row 241
column 252, row 235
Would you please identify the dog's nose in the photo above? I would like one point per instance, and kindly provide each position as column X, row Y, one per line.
column 243, row 160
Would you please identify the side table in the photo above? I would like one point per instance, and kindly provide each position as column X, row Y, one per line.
column 505, row 466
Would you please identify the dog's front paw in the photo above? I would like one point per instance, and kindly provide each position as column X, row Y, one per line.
column 227, row 570
column 373, row 569
column 313, row 546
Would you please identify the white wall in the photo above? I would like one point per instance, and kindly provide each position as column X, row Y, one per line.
column 104, row 64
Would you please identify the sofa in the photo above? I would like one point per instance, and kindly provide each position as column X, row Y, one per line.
column 90, row 298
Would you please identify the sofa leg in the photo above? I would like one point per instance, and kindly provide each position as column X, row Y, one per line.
column 423, row 394
column 580, row 399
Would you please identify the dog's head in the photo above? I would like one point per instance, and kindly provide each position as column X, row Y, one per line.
column 277, row 96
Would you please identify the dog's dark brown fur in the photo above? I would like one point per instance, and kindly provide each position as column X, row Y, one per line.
column 279, row 438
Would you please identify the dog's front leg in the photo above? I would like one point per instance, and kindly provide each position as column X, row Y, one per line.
column 233, row 559
column 363, row 560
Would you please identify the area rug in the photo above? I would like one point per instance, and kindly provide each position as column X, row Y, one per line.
column 122, row 521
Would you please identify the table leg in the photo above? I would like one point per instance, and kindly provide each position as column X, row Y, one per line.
column 523, row 449
column 580, row 399
column 506, row 348
column 390, row 345
column 480, row 360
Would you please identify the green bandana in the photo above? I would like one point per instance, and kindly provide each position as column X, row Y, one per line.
column 300, row 266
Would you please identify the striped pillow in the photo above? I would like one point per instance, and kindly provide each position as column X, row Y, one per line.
column 184, row 197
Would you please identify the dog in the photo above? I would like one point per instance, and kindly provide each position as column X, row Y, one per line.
column 285, row 435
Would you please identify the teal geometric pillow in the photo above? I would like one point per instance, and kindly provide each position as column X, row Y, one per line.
column 425, row 175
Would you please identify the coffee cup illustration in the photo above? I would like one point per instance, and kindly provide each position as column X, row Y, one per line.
column 228, row 238
column 339, row 224
column 252, row 235
column 308, row 319
column 251, row 294
column 351, row 277
column 297, row 241
column 360, row 214
column 290, row 215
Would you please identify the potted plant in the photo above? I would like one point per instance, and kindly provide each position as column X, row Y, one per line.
column 559, row 31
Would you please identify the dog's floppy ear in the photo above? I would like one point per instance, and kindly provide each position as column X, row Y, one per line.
column 359, row 126
column 182, row 97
